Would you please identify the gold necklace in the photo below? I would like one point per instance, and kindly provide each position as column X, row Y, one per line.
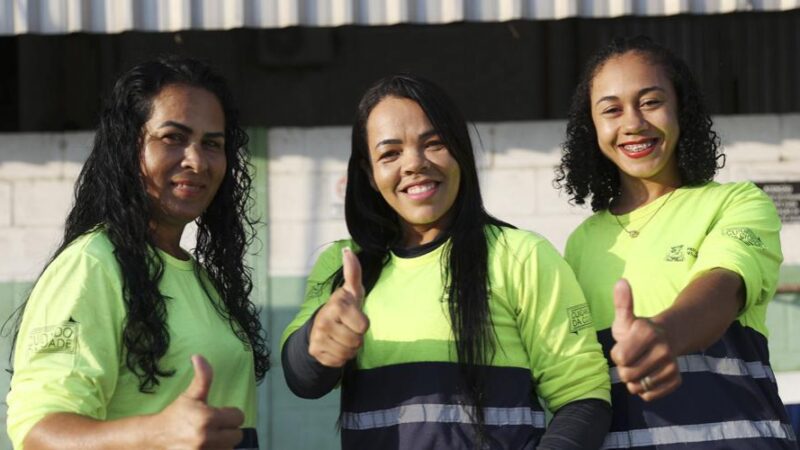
column 635, row 233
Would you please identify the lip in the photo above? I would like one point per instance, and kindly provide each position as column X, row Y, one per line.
column 651, row 144
column 187, row 188
column 428, row 189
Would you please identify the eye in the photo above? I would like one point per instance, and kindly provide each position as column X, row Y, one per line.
column 174, row 138
column 434, row 144
column 651, row 103
column 611, row 110
column 389, row 155
column 213, row 145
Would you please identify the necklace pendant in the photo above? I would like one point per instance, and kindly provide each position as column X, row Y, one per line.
column 633, row 234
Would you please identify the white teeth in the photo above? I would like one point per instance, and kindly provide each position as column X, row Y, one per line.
column 635, row 148
column 420, row 188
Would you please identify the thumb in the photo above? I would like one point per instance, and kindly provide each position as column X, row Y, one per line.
column 201, row 383
column 351, row 269
column 623, row 306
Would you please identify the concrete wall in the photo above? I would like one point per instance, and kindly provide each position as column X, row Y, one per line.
column 300, row 185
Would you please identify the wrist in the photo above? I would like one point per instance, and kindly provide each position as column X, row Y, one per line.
column 667, row 327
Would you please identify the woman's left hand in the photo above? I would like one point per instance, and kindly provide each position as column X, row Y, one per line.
column 645, row 359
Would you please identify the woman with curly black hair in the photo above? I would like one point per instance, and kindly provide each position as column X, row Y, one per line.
column 460, row 329
column 689, row 358
column 107, row 349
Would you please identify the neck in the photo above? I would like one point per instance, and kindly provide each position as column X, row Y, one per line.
column 637, row 192
column 415, row 236
column 168, row 239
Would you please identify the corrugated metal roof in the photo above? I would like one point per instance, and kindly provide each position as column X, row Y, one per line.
column 115, row 16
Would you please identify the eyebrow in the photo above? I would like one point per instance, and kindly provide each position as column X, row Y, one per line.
column 188, row 129
column 641, row 92
column 422, row 136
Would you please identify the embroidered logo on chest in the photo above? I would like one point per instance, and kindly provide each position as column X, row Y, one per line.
column 678, row 253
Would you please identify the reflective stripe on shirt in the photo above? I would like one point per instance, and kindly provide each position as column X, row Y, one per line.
column 439, row 413
column 707, row 432
column 720, row 366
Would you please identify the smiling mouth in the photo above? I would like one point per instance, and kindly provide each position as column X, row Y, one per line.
column 188, row 188
column 639, row 149
column 422, row 191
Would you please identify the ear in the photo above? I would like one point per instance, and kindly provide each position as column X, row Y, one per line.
column 368, row 170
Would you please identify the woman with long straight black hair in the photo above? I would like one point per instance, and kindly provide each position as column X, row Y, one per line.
column 443, row 325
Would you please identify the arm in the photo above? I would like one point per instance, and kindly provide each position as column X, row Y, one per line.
column 578, row 425
column 566, row 359
column 313, row 355
column 306, row 377
column 649, row 347
column 67, row 365
column 186, row 423
column 733, row 279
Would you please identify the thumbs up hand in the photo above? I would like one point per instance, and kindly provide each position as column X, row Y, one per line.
column 188, row 422
column 339, row 326
column 644, row 357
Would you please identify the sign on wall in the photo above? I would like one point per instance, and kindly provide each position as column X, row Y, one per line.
column 786, row 196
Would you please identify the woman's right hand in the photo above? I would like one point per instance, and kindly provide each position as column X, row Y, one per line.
column 339, row 326
column 189, row 422
column 645, row 358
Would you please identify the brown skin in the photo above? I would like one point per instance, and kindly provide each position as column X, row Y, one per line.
column 183, row 160
column 187, row 423
column 697, row 319
column 635, row 113
column 182, row 164
column 339, row 326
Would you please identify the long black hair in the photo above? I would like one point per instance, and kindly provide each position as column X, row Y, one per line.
column 110, row 193
column 376, row 228
column 585, row 171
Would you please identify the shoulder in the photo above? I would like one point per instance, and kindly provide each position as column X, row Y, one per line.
column 587, row 227
column 518, row 244
column 722, row 191
column 93, row 248
column 329, row 258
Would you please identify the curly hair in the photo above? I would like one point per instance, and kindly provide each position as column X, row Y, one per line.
column 110, row 193
column 584, row 170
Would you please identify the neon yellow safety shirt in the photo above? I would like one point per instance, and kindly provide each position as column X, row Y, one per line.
column 69, row 353
column 404, row 391
column 728, row 398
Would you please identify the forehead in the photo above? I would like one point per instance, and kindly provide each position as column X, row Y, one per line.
column 394, row 115
column 181, row 102
column 628, row 72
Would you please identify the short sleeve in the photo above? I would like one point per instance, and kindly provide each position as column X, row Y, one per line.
column 67, row 354
column 318, row 285
column 745, row 239
column 557, row 329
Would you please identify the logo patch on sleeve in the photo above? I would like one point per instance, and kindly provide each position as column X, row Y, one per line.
column 745, row 235
column 580, row 318
column 62, row 338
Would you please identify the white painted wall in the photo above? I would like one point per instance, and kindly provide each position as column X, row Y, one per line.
column 306, row 175
column 306, row 172
column 516, row 162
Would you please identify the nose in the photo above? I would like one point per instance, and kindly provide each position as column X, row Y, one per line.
column 415, row 161
column 194, row 158
column 633, row 121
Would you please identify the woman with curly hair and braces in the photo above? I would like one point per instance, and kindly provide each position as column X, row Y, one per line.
column 677, row 269
column 108, row 346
